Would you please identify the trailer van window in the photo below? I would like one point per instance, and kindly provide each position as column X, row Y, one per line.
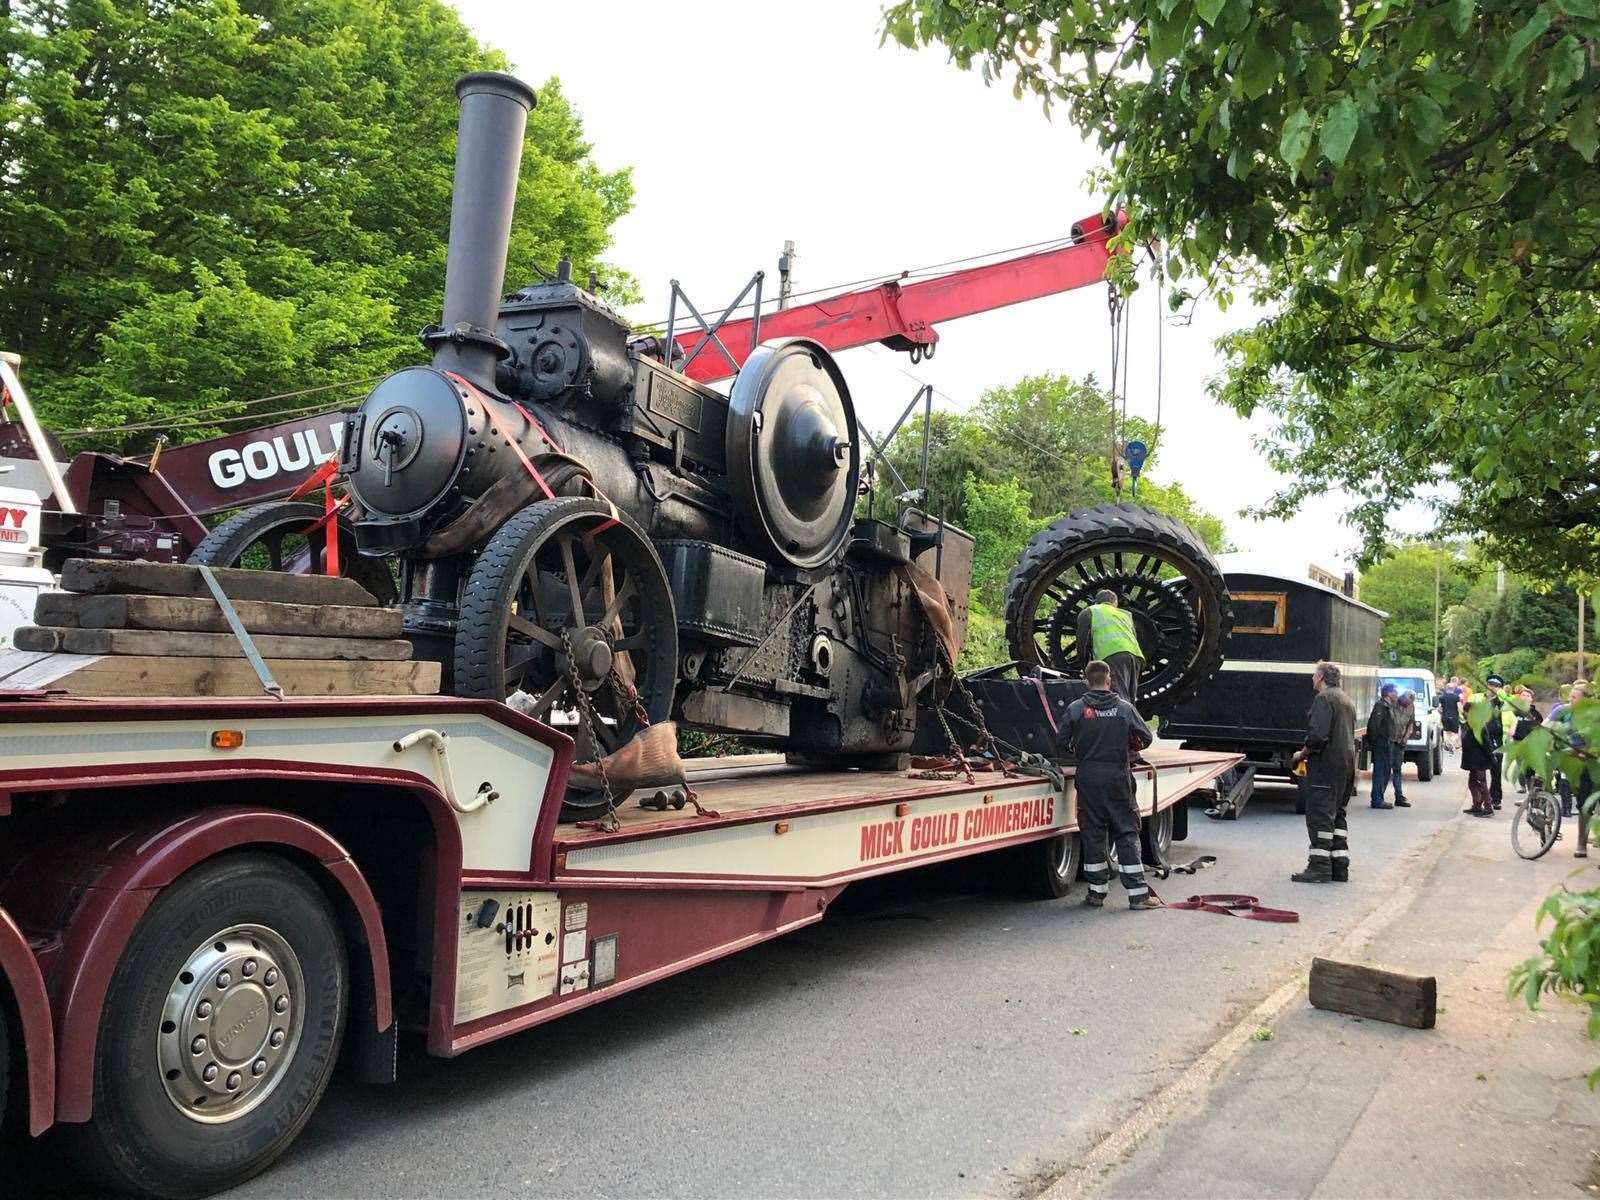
column 1260, row 612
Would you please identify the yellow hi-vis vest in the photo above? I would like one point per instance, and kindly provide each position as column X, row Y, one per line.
column 1113, row 632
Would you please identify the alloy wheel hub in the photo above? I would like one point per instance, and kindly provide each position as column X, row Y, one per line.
column 231, row 1023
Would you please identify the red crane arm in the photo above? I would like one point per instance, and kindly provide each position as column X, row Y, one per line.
column 903, row 315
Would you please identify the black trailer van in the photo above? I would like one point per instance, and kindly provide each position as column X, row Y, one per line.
column 1257, row 703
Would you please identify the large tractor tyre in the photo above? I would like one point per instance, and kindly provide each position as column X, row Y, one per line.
column 1046, row 870
column 569, row 594
column 1162, row 574
column 290, row 536
column 219, row 1033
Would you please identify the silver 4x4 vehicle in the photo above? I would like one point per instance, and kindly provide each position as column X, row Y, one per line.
column 1425, row 746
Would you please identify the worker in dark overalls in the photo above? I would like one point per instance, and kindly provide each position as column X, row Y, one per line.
column 1102, row 730
column 1106, row 633
column 1330, row 758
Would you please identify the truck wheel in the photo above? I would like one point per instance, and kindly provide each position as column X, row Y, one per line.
column 1425, row 766
column 1048, row 869
column 1155, row 839
column 274, row 537
column 1163, row 576
column 220, row 1030
column 1438, row 757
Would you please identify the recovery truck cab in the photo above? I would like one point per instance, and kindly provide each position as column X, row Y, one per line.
column 212, row 903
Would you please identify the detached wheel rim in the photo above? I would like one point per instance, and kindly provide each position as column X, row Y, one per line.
column 1149, row 586
column 231, row 1023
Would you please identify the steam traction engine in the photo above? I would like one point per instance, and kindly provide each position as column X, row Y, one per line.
column 579, row 524
column 604, row 542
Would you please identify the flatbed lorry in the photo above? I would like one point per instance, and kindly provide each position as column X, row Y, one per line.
column 207, row 905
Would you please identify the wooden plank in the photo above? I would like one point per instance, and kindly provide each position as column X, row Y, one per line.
column 175, row 579
column 1367, row 991
column 22, row 670
column 118, row 675
column 205, row 616
column 56, row 608
column 39, row 639
column 225, row 645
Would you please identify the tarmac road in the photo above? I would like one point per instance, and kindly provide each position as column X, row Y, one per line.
column 932, row 1037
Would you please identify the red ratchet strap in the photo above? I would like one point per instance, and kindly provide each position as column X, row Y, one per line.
column 1230, row 904
column 323, row 477
column 1044, row 703
column 516, row 446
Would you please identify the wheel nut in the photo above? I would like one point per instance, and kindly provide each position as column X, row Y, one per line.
column 271, row 977
column 258, row 1067
column 210, row 1073
column 224, row 978
column 203, row 1009
column 277, row 1038
column 198, row 1046
column 233, row 1081
column 249, row 968
column 281, row 1004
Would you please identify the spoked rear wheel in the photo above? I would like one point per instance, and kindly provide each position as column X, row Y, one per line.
column 1536, row 824
column 1163, row 576
column 293, row 537
column 568, row 596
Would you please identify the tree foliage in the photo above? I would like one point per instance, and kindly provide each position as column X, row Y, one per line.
column 1402, row 584
column 1050, row 433
column 1412, row 188
column 209, row 201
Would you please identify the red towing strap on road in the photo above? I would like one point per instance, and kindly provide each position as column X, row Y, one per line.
column 1233, row 905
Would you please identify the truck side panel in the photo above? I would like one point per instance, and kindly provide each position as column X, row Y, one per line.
column 130, row 860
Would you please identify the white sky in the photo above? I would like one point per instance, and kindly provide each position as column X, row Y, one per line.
column 748, row 122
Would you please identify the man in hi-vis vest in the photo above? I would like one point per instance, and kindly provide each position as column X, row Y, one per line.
column 1106, row 632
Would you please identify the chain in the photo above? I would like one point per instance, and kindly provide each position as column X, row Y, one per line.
column 627, row 695
column 609, row 822
column 987, row 742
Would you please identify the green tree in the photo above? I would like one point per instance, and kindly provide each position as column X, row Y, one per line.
column 1402, row 584
column 209, row 201
column 1410, row 186
column 998, row 517
column 1052, row 434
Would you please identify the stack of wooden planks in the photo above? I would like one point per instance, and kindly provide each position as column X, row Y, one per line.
column 154, row 629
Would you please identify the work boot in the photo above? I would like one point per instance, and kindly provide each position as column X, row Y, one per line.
column 1094, row 900
column 1318, row 870
column 1381, row 804
column 1402, row 803
column 1341, row 870
column 1148, row 900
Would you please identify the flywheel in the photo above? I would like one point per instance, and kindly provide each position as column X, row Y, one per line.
column 793, row 456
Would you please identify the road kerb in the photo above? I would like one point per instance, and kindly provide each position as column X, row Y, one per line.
column 1092, row 1170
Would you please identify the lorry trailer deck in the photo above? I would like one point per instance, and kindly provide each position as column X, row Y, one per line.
column 211, row 903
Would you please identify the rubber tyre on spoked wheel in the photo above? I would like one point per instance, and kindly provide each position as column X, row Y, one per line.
column 219, row 1033
column 1536, row 824
column 568, row 584
column 288, row 536
column 1163, row 576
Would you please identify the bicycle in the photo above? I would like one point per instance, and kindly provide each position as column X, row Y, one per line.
column 1540, row 814
column 1536, row 824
